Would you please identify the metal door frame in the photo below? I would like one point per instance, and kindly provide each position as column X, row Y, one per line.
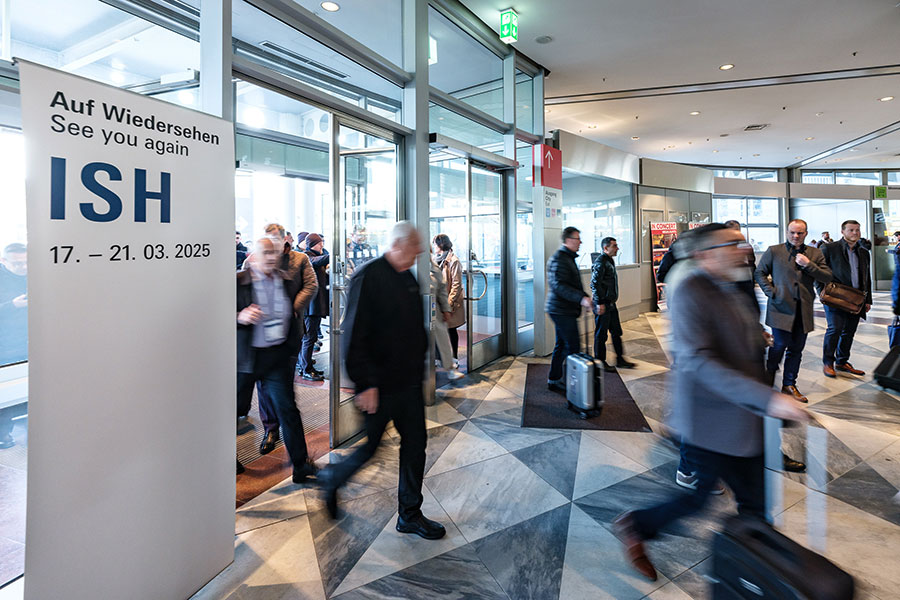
column 345, row 421
column 480, row 353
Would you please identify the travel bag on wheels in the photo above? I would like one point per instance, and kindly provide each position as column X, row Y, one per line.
column 751, row 559
column 584, row 383
column 887, row 373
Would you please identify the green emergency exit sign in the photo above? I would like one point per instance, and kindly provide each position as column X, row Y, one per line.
column 509, row 26
column 880, row 191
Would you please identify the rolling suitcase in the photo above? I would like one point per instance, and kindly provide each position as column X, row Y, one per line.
column 751, row 559
column 887, row 373
column 584, row 383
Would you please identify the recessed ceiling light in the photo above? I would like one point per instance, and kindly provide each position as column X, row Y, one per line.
column 715, row 150
column 756, row 155
column 819, row 114
column 694, row 113
column 797, row 157
column 592, row 127
column 810, row 138
column 886, row 99
column 634, row 137
column 543, row 39
column 331, row 6
column 726, row 67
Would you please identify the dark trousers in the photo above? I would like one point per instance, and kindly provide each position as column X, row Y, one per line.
column 567, row 343
column 608, row 323
column 454, row 340
column 895, row 287
column 787, row 344
column 838, row 336
column 267, row 413
column 309, row 342
column 406, row 408
column 275, row 368
column 744, row 475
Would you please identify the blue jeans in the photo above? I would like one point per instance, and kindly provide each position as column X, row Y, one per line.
column 838, row 336
column 790, row 343
column 567, row 342
column 895, row 286
column 744, row 475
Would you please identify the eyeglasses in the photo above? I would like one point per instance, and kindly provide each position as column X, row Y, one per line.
column 740, row 244
column 574, row 238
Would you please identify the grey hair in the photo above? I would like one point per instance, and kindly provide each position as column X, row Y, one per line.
column 275, row 229
column 402, row 230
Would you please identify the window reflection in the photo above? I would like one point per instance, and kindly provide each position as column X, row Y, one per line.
column 599, row 207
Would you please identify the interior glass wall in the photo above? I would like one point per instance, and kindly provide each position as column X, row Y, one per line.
column 857, row 177
column 444, row 121
column 759, row 218
column 524, row 238
column 752, row 174
column 817, row 177
column 462, row 67
column 893, row 178
column 525, row 102
column 271, row 43
column 599, row 207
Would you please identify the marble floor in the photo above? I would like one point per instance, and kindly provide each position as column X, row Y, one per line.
column 528, row 511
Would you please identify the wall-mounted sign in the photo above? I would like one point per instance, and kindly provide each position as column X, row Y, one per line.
column 509, row 26
column 547, row 170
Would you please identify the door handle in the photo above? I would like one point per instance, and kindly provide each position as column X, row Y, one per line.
column 484, row 291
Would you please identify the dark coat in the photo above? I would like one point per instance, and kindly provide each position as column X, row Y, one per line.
column 564, row 281
column 604, row 281
column 320, row 304
column 835, row 255
column 783, row 282
column 246, row 353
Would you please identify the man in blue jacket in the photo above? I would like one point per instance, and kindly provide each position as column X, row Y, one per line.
column 564, row 303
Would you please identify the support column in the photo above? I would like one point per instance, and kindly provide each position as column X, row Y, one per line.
column 216, row 92
column 508, row 209
column 544, row 242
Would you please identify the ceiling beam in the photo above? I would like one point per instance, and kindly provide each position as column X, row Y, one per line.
column 101, row 45
column 735, row 84
column 886, row 130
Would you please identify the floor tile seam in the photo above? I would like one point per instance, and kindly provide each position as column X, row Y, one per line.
column 647, row 467
column 543, row 479
column 885, row 522
column 478, row 462
column 446, row 512
column 506, row 389
column 257, row 528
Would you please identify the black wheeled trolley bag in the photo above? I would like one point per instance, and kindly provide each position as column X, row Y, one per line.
column 752, row 560
column 887, row 373
column 584, row 382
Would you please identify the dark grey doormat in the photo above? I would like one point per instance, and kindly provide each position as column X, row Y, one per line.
column 547, row 409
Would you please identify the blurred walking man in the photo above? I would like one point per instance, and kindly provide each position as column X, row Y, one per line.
column 384, row 343
column 786, row 273
column 720, row 393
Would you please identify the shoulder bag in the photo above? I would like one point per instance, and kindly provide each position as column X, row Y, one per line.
column 844, row 297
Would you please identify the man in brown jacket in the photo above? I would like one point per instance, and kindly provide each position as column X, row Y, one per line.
column 302, row 286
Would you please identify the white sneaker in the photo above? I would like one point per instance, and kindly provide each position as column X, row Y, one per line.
column 454, row 374
column 689, row 481
column 455, row 363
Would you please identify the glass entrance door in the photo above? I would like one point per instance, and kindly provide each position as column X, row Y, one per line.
column 365, row 213
column 466, row 205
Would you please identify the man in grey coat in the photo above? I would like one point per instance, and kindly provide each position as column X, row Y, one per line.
column 785, row 274
column 720, row 395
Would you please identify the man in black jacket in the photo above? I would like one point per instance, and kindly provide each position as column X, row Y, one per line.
column 267, row 338
column 605, row 287
column 318, row 308
column 564, row 303
column 849, row 264
column 384, row 346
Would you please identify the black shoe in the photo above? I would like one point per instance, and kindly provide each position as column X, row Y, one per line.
column 268, row 443
column 312, row 376
column 309, row 469
column 240, row 467
column 317, row 372
column 421, row 526
column 791, row 465
column 622, row 363
column 608, row 367
column 556, row 386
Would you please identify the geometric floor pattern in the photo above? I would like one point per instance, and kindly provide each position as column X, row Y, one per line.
column 528, row 511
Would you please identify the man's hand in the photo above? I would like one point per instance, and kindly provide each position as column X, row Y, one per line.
column 868, row 307
column 782, row 406
column 586, row 302
column 802, row 260
column 20, row 301
column 601, row 309
column 447, row 316
column 770, row 341
column 367, row 401
column 250, row 315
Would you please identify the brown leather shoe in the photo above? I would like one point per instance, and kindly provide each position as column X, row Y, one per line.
column 829, row 371
column 624, row 529
column 793, row 391
column 848, row 368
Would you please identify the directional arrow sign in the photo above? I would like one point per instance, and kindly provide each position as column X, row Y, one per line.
column 550, row 172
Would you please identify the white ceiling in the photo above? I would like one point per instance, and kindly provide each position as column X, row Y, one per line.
column 613, row 45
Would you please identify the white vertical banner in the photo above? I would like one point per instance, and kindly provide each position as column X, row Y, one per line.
column 131, row 444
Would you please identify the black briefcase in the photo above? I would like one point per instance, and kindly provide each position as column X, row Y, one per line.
column 752, row 560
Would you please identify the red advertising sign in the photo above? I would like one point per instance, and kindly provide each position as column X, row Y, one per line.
column 662, row 235
column 550, row 161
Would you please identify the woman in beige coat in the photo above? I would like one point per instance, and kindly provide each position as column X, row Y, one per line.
column 449, row 263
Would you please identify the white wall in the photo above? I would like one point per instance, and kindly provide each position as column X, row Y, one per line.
column 829, row 216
